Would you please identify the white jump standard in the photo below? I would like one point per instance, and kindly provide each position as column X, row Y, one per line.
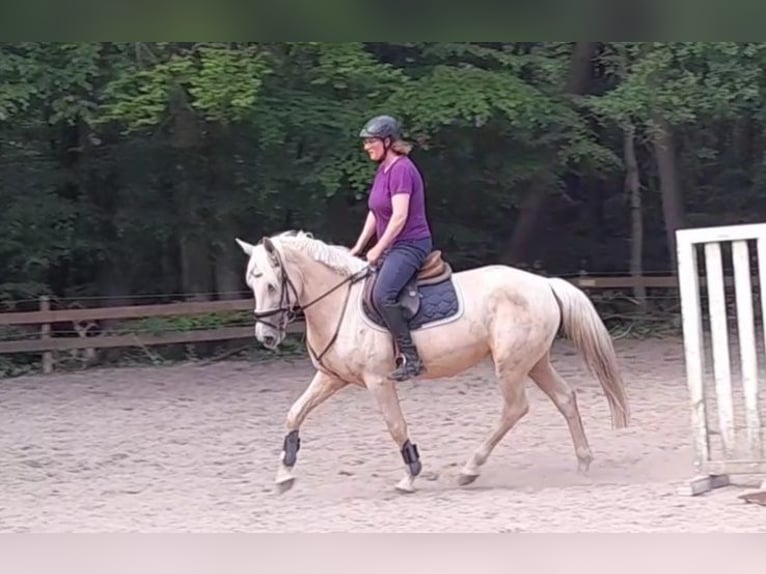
column 721, row 448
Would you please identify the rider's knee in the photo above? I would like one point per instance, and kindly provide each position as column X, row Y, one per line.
column 381, row 296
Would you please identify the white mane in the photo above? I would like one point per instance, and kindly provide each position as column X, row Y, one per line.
column 337, row 257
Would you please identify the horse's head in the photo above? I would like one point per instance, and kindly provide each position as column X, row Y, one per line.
column 281, row 270
column 276, row 294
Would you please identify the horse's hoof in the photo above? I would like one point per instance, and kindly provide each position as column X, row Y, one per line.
column 583, row 465
column 464, row 479
column 285, row 485
column 284, row 479
column 405, row 485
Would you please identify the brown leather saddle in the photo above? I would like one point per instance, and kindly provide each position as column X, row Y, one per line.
column 434, row 270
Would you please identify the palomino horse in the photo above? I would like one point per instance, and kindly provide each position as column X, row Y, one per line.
column 457, row 319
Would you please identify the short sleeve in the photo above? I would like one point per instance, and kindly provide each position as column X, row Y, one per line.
column 402, row 180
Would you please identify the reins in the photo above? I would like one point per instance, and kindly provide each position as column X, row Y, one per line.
column 290, row 310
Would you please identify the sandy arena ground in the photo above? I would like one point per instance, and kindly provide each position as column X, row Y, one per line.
column 195, row 448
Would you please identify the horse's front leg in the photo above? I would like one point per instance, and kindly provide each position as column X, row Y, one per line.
column 388, row 402
column 321, row 388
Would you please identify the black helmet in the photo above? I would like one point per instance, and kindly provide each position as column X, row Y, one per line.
column 381, row 127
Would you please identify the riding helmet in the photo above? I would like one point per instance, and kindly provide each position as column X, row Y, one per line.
column 381, row 127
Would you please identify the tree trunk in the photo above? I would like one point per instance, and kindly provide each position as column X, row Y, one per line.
column 229, row 283
column 670, row 188
column 580, row 67
column 578, row 82
column 529, row 214
column 196, row 270
column 65, row 151
column 196, row 273
column 228, row 261
column 633, row 189
column 743, row 143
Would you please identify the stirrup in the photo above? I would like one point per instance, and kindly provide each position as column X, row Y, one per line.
column 406, row 370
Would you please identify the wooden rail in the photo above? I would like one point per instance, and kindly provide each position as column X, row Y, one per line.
column 47, row 343
column 125, row 312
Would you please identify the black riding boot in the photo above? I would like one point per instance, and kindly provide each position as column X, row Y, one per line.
column 412, row 366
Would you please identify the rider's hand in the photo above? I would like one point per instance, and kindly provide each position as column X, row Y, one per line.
column 373, row 255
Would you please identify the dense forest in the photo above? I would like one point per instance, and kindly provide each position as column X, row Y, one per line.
column 128, row 169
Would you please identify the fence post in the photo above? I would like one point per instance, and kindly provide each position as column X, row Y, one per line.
column 45, row 335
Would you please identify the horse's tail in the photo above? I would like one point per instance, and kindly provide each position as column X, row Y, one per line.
column 583, row 326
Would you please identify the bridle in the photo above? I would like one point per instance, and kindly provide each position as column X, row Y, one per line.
column 290, row 311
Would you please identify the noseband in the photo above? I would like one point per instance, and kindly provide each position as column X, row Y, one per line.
column 290, row 311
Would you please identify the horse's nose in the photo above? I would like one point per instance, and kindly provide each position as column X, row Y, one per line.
column 269, row 340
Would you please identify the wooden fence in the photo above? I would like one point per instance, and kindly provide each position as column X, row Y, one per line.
column 46, row 343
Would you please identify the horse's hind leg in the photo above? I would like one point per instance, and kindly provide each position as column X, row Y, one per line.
column 563, row 396
column 515, row 406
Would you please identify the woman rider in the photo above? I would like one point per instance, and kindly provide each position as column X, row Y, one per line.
column 397, row 217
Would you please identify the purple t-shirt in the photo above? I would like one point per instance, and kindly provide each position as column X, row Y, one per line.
column 402, row 177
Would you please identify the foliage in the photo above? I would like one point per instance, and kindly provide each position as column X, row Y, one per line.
column 157, row 325
column 128, row 168
column 681, row 82
column 220, row 82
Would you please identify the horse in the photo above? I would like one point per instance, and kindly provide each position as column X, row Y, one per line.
column 458, row 319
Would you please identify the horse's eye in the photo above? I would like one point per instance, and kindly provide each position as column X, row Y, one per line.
column 272, row 288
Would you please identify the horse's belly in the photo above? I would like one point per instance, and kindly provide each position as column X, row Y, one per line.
column 449, row 349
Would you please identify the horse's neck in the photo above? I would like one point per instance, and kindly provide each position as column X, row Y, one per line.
column 322, row 314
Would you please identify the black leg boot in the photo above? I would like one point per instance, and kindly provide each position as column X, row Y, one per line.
column 412, row 366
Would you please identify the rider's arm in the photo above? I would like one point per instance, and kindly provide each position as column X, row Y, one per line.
column 366, row 234
column 400, row 205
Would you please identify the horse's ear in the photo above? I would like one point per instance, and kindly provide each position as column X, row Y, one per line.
column 246, row 247
column 271, row 250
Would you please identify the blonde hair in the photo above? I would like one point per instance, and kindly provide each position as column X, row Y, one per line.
column 401, row 147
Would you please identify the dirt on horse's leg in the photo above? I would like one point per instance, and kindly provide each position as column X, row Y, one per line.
column 515, row 406
column 387, row 398
column 321, row 388
column 565, row 399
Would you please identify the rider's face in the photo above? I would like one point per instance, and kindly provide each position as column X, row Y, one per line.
column 374, row 148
